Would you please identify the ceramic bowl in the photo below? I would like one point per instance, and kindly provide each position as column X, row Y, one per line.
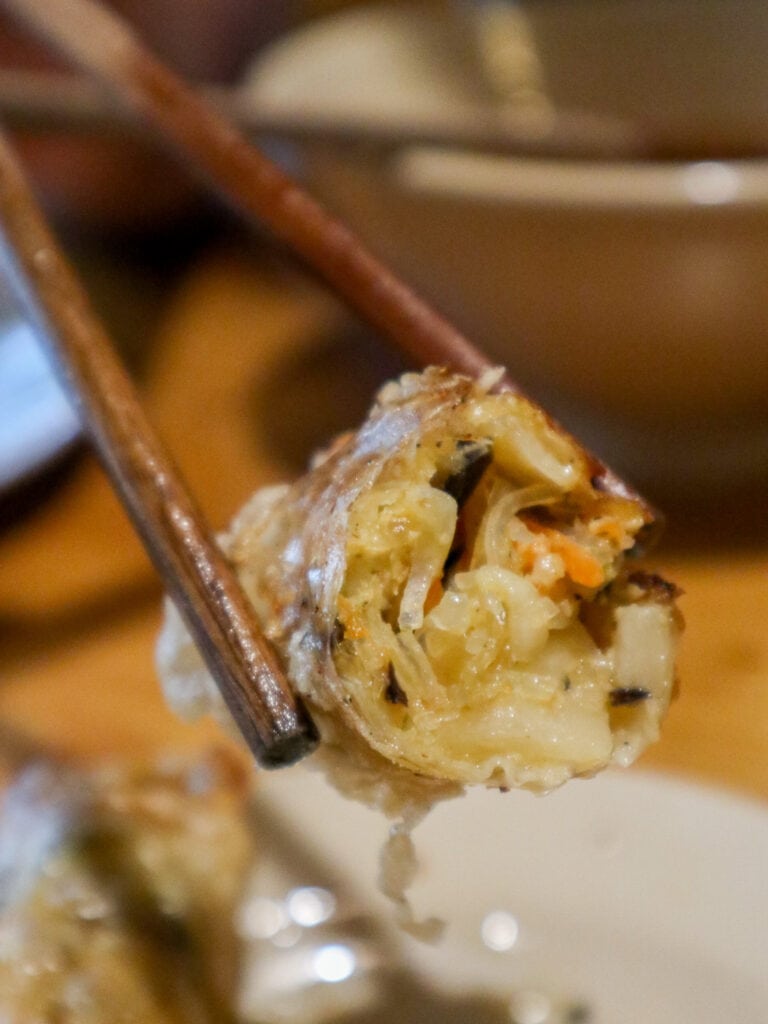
column 626, row 294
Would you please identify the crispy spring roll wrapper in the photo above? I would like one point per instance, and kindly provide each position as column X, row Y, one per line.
column 447, row 588
column 117, row 892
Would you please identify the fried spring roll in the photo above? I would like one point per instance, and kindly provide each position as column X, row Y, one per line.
column 117, row 894
column 448, row 587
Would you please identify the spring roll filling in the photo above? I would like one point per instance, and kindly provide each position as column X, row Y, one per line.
column 448, row 587
column 486, row 630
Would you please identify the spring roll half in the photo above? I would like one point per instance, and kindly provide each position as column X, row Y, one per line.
column 117, row 892
column 449, row 589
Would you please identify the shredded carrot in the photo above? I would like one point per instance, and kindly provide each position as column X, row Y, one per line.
column 351, row 620
column 528, row 554
column 607, row 526
column 583, row 568
column 434, row 595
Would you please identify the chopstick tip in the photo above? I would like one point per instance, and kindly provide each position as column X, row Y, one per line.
column 286, row 750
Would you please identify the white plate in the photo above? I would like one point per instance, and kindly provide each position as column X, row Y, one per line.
column 640, row 897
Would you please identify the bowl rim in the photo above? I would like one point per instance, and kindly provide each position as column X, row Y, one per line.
column 686, row 185
column 691, row 185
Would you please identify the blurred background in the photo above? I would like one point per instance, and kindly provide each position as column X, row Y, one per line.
column 581, row 185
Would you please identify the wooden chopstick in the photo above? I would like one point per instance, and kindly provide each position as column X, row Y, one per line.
column 99, row 43
column 201, row 582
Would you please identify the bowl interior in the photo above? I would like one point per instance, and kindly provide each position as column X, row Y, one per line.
column 692, row 69
column 691, row 72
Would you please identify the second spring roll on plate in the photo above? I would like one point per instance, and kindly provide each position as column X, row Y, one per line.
column 118, row 889
column 450, row 589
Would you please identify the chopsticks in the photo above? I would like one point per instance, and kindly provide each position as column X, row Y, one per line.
column 273, row 722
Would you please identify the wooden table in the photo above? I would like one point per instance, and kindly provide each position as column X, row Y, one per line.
column 250, row 369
